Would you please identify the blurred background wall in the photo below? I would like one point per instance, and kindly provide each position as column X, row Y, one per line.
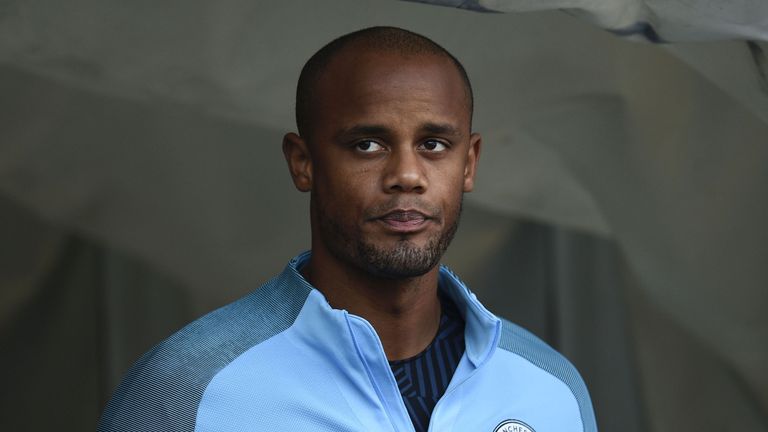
column 619, row 212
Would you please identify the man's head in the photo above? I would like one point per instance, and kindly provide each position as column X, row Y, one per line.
column 386, row 149
column 373, row 39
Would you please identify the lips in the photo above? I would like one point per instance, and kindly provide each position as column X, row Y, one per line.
column 405, row 216
column 404, row 221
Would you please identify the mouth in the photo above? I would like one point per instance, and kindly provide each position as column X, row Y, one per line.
column 404, row 220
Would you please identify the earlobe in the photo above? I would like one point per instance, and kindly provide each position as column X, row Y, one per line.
column 299, row 161
column 473, row 156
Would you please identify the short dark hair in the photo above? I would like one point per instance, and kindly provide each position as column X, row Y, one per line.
column 391, row 39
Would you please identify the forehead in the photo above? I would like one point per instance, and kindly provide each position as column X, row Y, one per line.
column 380, row 86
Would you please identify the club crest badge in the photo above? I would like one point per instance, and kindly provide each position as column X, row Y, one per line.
column 513, row 426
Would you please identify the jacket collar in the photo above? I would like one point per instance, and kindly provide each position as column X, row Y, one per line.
column 482, row 328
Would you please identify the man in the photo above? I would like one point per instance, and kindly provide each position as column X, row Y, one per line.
column 367, row 332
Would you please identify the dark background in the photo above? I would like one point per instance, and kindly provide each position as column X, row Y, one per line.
column 619, row 211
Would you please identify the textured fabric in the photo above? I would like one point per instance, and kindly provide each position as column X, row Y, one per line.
column 423, row 378
column 519, row 341
column 281, row 359
column 163, row 389
column 647, row 20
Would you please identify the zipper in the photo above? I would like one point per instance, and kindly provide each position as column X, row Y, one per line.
column 382, row 355
column 451, row 390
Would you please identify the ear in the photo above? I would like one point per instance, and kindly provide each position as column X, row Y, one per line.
column 299, row 161
column 470, row 167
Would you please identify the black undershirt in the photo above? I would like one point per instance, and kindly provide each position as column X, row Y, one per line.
column 423, row 379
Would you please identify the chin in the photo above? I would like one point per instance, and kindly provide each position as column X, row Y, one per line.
column 402, row 260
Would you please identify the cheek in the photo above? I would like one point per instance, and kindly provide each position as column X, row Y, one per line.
column 347, row 191
column 449, row 179
column 450, row 187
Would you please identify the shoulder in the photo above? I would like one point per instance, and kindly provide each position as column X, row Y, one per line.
column 520, row 341
column 163, row 388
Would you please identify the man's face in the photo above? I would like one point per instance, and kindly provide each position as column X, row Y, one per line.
column 391, row 156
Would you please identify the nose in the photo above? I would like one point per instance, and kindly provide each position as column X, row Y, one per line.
column 405, row 172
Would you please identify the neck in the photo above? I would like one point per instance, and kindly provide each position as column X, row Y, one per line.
column 404, row 312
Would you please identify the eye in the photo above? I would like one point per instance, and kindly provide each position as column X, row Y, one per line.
column 434, row 146
column 368, row 146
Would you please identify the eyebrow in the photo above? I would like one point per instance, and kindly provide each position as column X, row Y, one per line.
column 441, row 129
column 363, row 130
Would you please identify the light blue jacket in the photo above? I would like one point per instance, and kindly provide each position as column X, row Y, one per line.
column 281, row 359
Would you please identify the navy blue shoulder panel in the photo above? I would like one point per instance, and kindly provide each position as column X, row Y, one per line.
column 162, row 390
column 517, row 340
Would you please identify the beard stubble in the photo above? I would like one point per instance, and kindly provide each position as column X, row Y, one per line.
column 402, row 261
